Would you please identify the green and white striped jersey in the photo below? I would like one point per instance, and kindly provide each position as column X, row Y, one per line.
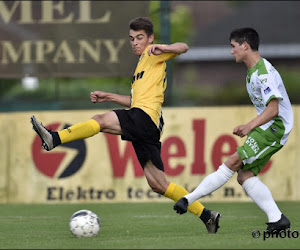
column 263, row 84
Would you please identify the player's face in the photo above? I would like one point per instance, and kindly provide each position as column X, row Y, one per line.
column 139, row 41
column 238, row 51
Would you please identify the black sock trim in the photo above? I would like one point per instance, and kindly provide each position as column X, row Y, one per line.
column 56, row 139
column 205, row 216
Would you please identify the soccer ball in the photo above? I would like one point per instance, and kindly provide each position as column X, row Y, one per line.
column 84, row 223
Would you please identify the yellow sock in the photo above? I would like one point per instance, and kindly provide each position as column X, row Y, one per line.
column 79, row 131
column 175, row 192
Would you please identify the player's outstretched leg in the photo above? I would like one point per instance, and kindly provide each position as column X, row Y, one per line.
column 51, row 139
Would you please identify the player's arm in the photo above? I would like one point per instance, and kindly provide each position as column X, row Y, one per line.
column 101, row 96
column 268, row 114
column 175, row 48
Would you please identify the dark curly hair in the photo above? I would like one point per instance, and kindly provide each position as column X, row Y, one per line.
column 142, row 23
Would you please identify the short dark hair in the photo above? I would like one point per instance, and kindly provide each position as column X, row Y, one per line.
column 142, row 23
column 246, row 34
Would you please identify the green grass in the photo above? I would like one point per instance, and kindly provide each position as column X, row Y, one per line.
column 141, row 226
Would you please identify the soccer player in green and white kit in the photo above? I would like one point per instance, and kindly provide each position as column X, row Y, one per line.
column 266, row 134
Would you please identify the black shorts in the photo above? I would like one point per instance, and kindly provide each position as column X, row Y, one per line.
column 138, row 127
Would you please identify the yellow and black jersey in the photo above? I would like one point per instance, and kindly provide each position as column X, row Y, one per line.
column 149, row 83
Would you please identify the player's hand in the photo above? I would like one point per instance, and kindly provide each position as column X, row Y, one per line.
column 99, row 96
column 156, row 49
column 242, row 130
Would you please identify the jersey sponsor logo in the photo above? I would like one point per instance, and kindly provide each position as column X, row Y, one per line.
column 63, row 161
column 252, row 144
column 256, row 100
column 138, row 76
column 259, row 105
column 267, row 90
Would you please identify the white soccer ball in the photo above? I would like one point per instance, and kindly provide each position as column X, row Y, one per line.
column 84, row 223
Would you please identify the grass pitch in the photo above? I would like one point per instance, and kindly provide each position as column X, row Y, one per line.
column 142, row 226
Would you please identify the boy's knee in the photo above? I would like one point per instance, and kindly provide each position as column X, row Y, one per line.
column 234, row 162
column 243, row 175
column 97, row 118
column 102, row 120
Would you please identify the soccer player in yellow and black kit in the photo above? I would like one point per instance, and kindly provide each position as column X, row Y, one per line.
column 142, row 122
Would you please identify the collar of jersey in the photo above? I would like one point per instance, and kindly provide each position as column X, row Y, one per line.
column 256, row 67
